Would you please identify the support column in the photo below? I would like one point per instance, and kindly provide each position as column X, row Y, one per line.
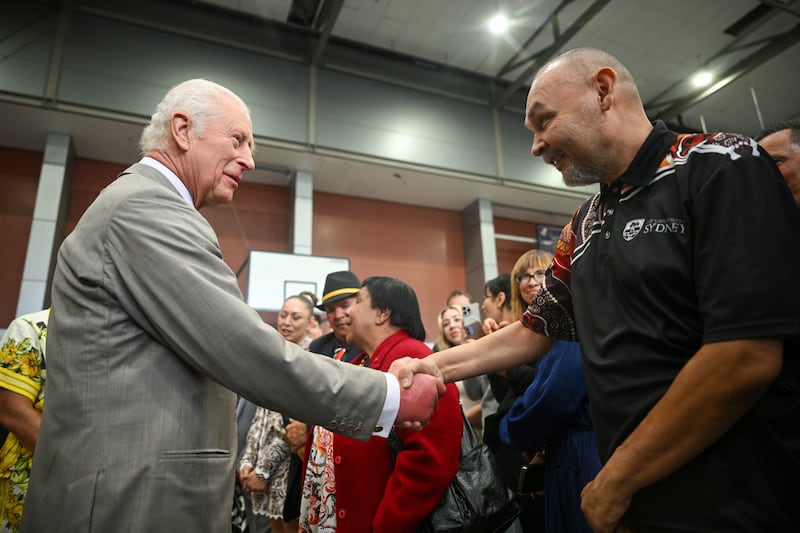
column 480, row 252
column 47, row 229
column 301, row 227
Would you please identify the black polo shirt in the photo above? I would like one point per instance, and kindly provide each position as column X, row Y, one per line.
column 697, row 242
column 327, row 345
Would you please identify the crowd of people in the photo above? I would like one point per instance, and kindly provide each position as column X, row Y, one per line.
column 633, row 374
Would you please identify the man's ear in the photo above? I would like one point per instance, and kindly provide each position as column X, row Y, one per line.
column 382, row 316
column 180, row 126
column 605, row 83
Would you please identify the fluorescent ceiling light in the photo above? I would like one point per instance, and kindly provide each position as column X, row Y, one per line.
column 498, row 24
column 702, row 78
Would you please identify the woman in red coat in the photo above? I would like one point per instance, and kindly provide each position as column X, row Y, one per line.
column 352, row 486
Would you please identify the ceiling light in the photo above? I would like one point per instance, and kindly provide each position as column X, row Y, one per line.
column 498, row 24
column 702, row 78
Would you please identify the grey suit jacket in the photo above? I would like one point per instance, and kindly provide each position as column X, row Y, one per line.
column 148, row 337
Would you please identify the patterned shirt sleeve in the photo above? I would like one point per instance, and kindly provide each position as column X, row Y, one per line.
column 550, row 313
column 22, row 357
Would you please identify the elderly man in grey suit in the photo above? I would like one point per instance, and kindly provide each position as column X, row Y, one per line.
column 149, row 335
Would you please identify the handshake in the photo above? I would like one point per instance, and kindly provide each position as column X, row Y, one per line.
column 421, row 386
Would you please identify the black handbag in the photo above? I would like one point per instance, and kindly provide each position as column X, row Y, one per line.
column 477, row 500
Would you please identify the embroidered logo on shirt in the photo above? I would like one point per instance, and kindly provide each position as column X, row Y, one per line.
column 654, row 225
column 632, row 228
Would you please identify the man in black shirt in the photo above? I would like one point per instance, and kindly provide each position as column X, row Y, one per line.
column 339, row 295
column 782, row 141
column 680, row 279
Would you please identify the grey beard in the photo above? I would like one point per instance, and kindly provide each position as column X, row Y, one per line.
column 578, row 176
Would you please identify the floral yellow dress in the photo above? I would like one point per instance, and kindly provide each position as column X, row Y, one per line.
column 22, row 370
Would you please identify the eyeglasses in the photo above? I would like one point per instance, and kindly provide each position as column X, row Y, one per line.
column 537, row 276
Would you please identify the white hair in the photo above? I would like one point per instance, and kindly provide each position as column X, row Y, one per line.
column 198, row 98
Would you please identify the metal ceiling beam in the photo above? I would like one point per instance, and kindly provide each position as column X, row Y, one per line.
column 659, row 101
column 545, row 55
column 774, row 47
column 56, row 57
column 513, row 62
column 303, row 12
column 782, row 6
column 326, row 20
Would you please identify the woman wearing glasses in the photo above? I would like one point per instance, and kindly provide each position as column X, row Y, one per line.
column 553, row 413
column 528, row 274
column 507, row 296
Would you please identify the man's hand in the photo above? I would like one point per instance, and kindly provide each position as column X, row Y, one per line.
column 405, row 368
column 713, row 390
column 296, row 433
column 603, row 505
column 418, row 401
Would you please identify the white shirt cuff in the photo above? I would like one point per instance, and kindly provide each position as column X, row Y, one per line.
column 390, row 407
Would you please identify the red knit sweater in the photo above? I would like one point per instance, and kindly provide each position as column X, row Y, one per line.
column 373, row 496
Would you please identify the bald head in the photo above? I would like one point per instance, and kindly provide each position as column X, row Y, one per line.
column 586, row 116
column 579, row 66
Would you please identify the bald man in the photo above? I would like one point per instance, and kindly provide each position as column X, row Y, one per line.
column 679, row 278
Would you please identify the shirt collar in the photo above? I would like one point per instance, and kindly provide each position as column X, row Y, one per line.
column 171, row 176
column 649, row 156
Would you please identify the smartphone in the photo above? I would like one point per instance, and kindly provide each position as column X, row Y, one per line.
column 531, row 479
column 472, row 320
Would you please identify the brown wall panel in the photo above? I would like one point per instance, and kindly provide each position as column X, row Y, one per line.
column 261, row 209
column 422, row 246
column 19, row 180
column 88, row 179
column 257, row 219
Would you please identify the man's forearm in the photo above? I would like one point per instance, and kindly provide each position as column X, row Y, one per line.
column 712, row 392
column 18, row 415
column 508, row 347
